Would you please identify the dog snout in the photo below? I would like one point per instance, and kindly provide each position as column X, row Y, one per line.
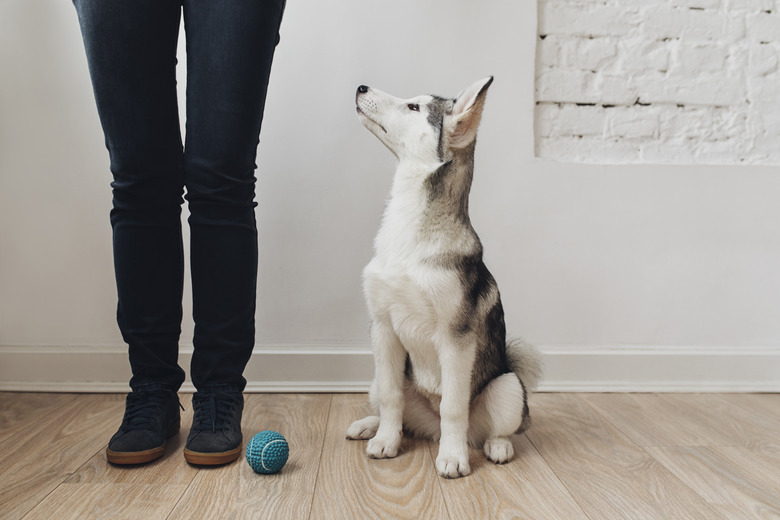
column 362, row 89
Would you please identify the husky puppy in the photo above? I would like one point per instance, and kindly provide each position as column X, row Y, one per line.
column 443, row 367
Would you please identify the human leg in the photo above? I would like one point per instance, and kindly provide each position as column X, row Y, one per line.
column 131, row 52
column 230, row 47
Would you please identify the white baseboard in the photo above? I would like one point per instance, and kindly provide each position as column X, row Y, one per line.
column 327, row 368
column 661, row 369
column 316, row 368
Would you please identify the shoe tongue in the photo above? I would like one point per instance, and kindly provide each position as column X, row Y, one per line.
column 213, row 410
column 141, row 411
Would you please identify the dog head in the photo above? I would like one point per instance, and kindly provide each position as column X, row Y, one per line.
column 424, row 129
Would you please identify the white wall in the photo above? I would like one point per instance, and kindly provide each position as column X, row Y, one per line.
column 627, row 277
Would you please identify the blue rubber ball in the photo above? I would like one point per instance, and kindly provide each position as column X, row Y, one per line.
column 267, row 452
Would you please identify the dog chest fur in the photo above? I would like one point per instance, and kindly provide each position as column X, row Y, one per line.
column 410, row 284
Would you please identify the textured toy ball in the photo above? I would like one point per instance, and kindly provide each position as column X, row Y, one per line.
column 267, row 452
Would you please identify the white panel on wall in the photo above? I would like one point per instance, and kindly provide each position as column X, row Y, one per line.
column 669, row 81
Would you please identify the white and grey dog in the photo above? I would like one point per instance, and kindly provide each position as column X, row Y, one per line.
column 444, row 369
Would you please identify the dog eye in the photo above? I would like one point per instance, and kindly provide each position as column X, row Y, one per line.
column 414, row 106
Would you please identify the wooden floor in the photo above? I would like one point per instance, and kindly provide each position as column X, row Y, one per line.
column 587, row 456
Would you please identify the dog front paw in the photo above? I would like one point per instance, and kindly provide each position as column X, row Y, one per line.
column 499, row 450
column 453, row 460
column 364, row 428
column 381, row 447
column 452, row 467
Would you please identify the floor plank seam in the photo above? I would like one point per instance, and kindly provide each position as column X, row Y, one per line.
column 178, row 500
column 627, row 438
column 441, row 489
column 183, row 493
column 673, row 476
column 571, row 494
column 43, row 499
column 59, row 484
column 319, row 461
column 616, row 427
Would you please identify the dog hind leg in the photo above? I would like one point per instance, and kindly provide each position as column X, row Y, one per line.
column 364, row 428
column 496, row 414
column 420, row 418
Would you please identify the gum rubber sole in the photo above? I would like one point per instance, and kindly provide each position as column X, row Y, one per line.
column 211, row 459
column 134, row 457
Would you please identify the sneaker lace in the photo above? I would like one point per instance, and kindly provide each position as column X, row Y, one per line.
column 141, row 410
column 212, row 411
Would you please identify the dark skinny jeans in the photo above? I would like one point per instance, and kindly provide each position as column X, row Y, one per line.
column 131, row 52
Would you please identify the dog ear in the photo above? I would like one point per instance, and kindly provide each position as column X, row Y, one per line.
column 467, row 112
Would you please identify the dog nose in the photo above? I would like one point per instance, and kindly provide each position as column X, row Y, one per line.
column 362, row 89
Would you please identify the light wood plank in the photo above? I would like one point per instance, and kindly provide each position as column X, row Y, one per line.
column 37, row 460
column 748, row 420
column 351, row 485
column 235, row 491
column 759, row 418
column 19, row 411
column 656, row 420
column 738, row 482
column 738, row 417
column 102, row 501
column 25, row 423
column 608, row 476
column 524, row 488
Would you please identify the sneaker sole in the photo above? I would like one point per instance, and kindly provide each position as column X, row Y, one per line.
column 211, row 459
column 134, row 457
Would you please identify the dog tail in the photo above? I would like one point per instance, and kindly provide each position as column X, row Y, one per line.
column 525, row 361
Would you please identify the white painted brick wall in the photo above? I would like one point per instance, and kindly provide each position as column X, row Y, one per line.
column 658, row 81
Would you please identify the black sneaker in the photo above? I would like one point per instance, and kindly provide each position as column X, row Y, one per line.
column 215, row 437
column 151, row 417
